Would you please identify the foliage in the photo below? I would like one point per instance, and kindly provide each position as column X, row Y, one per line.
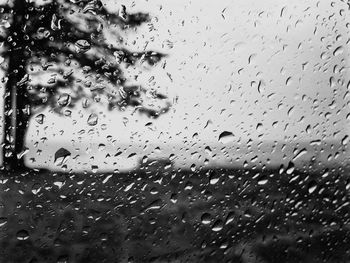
column 68, row 54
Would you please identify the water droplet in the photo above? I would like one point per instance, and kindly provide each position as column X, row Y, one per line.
column 299, row 154
column 155, row 205
column 107, row 178
column 214, row 180
column 338, row 51
column 22, row 153
column 288, row 81
column 262, row 181
column 24, row 80
column 55, row 23
column 22, row 235
column 261, row 86
column 218, row 225
column 208, row 150
column 312, row 187
column 94, row 168
column 193, row 167
column 206, row 218
column 59, row 184
column 3, row 221
column 82, row 46
column 36, row 188
column 290, row 168
column 64, row 100
column 230, row 217
column 40, row 118
column 5, row 24
column 127, row 188
column 345, row 140
column 63, row 259
column 173, row 198
column 67, row 113
column 226, row 137
column 122, row 12
column 92, row 120
column 61, row 156
column 90, row 8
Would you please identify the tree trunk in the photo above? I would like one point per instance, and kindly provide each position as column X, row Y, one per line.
column 16, row 106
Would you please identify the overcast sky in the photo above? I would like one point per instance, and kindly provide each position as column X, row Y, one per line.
column 259, row 69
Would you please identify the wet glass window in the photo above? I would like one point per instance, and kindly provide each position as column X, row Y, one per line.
column 174, row 131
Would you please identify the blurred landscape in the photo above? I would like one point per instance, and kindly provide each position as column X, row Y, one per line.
column 159, row 213
column 106, row 156
column 249, row 164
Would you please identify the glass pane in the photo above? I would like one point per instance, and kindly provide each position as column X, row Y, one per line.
column 177, row 131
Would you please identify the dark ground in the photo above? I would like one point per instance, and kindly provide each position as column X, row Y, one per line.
column 216, row 215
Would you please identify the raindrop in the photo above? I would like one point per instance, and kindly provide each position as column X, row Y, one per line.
column 22, row 153
column 82, row 46
column 92, row 120
column 155, row 205
column 94, row 168
column 107, row 178
column 226, row 137
column 247, row 213
column 193, row 167
column 262, row 181
column 206, row 218
column 59, row 184
column 63, row 259
column 51, row 80
column 127, row 188
column 338, row 51
column 40, row 118
column 90, row 8
column 208, row 150
column 230, row 217
column 22, row 235
column 64, row 100
column 67, row 74
column 122, row 12
column 345, row 140
column 3, row 221
column 288, row 81
column 261, row 86
column 312, row 187
column 218, row 225
column 173, row 198
column 300, row 154
column 61, row 156
column 214, row 178
column 326, row 173
column 5, row 24
column 55, row 23
column 290, row 168
column 24, row 80
column 36, row 188
column 67, row 113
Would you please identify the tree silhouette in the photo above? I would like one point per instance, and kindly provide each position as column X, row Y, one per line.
column 67, row 40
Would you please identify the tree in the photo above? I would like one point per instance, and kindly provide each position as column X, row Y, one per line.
column 70, row 39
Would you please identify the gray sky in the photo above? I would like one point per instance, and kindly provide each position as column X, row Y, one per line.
column 219, row 52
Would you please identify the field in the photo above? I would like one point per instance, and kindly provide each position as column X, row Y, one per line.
column 162, row 215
